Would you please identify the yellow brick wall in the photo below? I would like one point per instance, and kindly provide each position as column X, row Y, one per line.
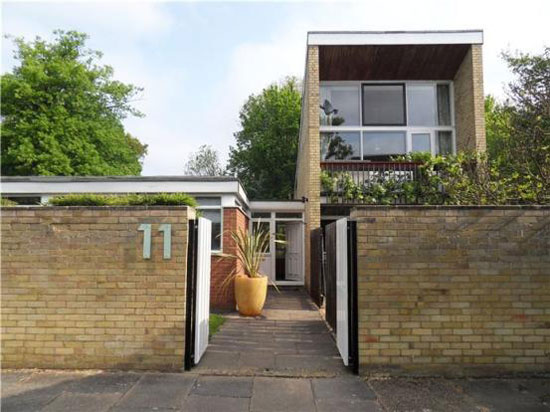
column 308, row 171
column 469, row 102
column 77, row 293
column 454, row 290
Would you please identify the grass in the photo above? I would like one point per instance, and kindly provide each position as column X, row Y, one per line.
column 214, row 322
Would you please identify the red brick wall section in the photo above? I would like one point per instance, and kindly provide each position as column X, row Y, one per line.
column 224, row 297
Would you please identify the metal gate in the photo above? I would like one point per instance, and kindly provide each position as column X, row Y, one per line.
column 198, row 290
column 341, row 288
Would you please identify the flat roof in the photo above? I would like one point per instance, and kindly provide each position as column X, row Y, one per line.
column 64, row 179
column 334, row 38
column 56, row 185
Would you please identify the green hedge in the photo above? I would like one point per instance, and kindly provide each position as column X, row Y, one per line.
column 7, row 202
column 90, row 199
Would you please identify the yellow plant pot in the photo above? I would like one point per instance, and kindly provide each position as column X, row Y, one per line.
column 250, row 294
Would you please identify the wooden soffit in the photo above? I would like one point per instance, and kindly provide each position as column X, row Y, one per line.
column 391, row 62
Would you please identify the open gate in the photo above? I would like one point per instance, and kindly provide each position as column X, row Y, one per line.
column 198, row 290
column 341, row 288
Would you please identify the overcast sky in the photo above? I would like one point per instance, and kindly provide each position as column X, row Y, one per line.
column 198, row 62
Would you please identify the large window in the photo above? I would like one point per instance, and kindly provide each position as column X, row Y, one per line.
column 383, row 104
column 211, row 209
column 339, row 106
column 383, row 144
column 340, row 146
column 377, row 120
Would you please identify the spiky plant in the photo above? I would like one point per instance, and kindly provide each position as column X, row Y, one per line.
column 251, row 248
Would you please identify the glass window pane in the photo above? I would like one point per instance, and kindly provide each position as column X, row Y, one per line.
column 208, row 201
column 443, row 105
column 340, row 146
column 383, row 143
column 288, row 215
column 261, row 215
column 383, row 104
column 215, row 216
column 421, row 142
column 260, row 226
column 421, row 105
column 339, row 106
column 444, row 142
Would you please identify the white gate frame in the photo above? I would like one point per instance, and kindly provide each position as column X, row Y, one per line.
column 342, row 315
column 202, row 293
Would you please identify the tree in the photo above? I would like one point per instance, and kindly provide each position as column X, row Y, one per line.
column 264, row 158
column 497, row 127
column 204, row 162
column 524, row 144
column 62, row 112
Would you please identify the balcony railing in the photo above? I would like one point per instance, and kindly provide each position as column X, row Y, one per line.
column 382, row 182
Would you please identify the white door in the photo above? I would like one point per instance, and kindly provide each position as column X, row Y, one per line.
column 342, row 340
column 293, row 256
column 202, row 312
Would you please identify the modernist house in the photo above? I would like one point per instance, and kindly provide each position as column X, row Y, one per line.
column 221, row 200
column 370, row 96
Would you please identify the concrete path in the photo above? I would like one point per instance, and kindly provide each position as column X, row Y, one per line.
column 289, row 339
column 132, row 392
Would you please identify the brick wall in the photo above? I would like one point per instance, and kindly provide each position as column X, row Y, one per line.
column 455, row 290
column 469, row 102
column 224, row 297
column 308, row 171
column 77, row 293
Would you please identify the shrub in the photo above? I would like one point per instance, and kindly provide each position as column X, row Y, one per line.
column 462, row 179
column 7, row 202
column 91, row 199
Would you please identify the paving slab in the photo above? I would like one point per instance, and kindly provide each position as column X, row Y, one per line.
column 280, row 394
column 197, row 403
column 340, row 405
column 104, row 382
column 82, row 402
column 342, row 388
column 158, row 391
column 218, row 361
column 227, row 386
column 36, row 391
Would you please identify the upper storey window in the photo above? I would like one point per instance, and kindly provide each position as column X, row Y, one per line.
column 339, row 106
column 376, row 120
column 384, row 105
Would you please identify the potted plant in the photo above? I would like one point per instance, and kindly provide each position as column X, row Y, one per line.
column 250, row 284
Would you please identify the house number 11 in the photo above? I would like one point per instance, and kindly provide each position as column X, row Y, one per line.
column 166, row 228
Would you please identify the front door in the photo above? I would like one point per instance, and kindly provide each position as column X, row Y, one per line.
column 284, row 262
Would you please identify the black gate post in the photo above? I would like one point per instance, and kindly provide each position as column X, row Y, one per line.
column 190, row 296
column 353, row 314
column 316, row 265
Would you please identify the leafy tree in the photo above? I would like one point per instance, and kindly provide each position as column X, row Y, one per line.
column 62, row 112
column 264, row 158
column 497, row 126
column 204, row 162
column 525, row 155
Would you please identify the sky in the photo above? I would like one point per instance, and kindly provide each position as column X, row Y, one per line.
column 199, row 61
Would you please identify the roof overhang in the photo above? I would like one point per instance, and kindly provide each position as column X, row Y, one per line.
column 56, row 185
column 277, row 206
column 358, row 38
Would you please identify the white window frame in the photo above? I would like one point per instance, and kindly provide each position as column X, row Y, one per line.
column 409, row 130
column 215, row 207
